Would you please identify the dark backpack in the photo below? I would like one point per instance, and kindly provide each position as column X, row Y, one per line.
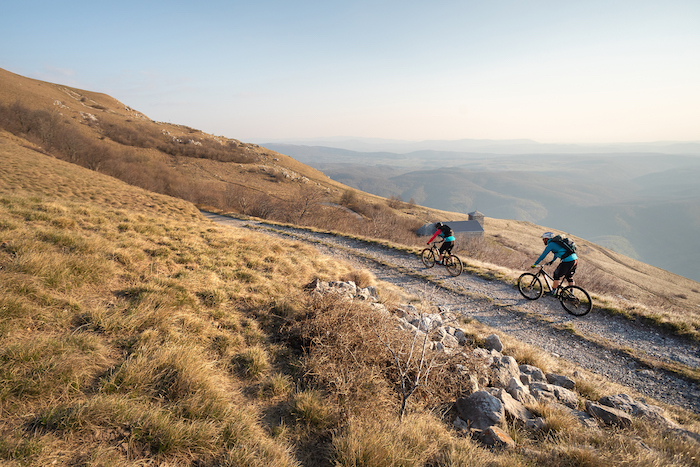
column 566, row 243
column 446, row 230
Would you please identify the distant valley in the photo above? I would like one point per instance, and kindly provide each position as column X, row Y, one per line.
column 644, row 203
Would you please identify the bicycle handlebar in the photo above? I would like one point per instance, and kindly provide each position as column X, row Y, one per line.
column 541, row 266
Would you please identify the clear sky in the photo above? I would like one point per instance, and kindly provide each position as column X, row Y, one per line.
column 583, row 71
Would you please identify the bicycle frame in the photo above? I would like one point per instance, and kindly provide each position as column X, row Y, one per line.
column 547, row 278
column 434, row 247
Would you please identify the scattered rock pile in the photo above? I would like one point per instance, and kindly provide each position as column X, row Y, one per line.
column 503, row 391
column 283, row 172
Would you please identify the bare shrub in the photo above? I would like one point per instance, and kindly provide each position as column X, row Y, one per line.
column 349, row 199
column 395, row 202
column 136, row 135
column 250, row 202
column 361, row 356
column 341, row 355
column 305, row 203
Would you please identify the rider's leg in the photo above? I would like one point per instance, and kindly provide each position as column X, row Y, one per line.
column 441, row 252
column 570, row 273
column 561, row 272
column 446, row 248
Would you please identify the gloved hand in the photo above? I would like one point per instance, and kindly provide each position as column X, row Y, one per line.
column 533, row 266
column 428, row 243
column 550, row 263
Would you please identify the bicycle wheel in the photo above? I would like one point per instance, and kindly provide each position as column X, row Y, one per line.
column 454, row 265
column 428, row 257
column 575, row 300
column 530, row 286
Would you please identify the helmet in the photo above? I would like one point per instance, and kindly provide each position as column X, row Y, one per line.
column 548, row 235
column 438, row 225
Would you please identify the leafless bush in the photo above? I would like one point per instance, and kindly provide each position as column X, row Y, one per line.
column 334, row 334
column 250, row 202
column 135, row 135
column 362, row 356
column 349, row 199
column 305, row 203
column 395, row 202
column 47, row 129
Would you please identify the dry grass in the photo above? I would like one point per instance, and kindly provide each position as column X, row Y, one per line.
column 122, row 324
column 100, row 133
column 133, row 332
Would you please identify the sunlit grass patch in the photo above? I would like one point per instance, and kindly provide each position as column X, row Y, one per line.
column 559, row 422
column 374, row 441
column 253, row 361
column 309, row 408
column 361, row 277
column 528, row 355
column 145, row 424
column 169, row 372
column 41, row 366
column 276, row 384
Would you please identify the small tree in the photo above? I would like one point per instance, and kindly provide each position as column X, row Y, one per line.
column 413, row 361
column 395, row 202
column 305, row 203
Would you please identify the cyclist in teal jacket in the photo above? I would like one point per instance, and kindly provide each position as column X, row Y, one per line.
column 566, row 268
column 445, row 232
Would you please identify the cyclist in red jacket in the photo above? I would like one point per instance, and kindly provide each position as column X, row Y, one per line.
column 445, row 232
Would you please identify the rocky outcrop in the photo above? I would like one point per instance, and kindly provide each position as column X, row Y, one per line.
column 502, row 390
column 480, row 410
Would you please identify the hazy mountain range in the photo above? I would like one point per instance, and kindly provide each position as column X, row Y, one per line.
column 489, row 146
column 641, row 200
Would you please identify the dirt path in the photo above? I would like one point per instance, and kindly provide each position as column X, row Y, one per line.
column 610, row 346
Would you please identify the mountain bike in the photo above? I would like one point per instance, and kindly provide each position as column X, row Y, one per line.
column 451, row 262
column 573, row 298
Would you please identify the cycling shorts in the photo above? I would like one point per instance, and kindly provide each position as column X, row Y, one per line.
column 446, row 247
column 565, row 269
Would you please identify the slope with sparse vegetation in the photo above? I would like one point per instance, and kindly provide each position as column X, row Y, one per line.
column 98, row 132
column 132, row 332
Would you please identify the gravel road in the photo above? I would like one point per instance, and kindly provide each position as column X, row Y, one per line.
column 598, row 342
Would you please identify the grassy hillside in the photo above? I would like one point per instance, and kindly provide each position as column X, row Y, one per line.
column 99, row 133
column 95, row 131
column 128, row 326
column 134, row 332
